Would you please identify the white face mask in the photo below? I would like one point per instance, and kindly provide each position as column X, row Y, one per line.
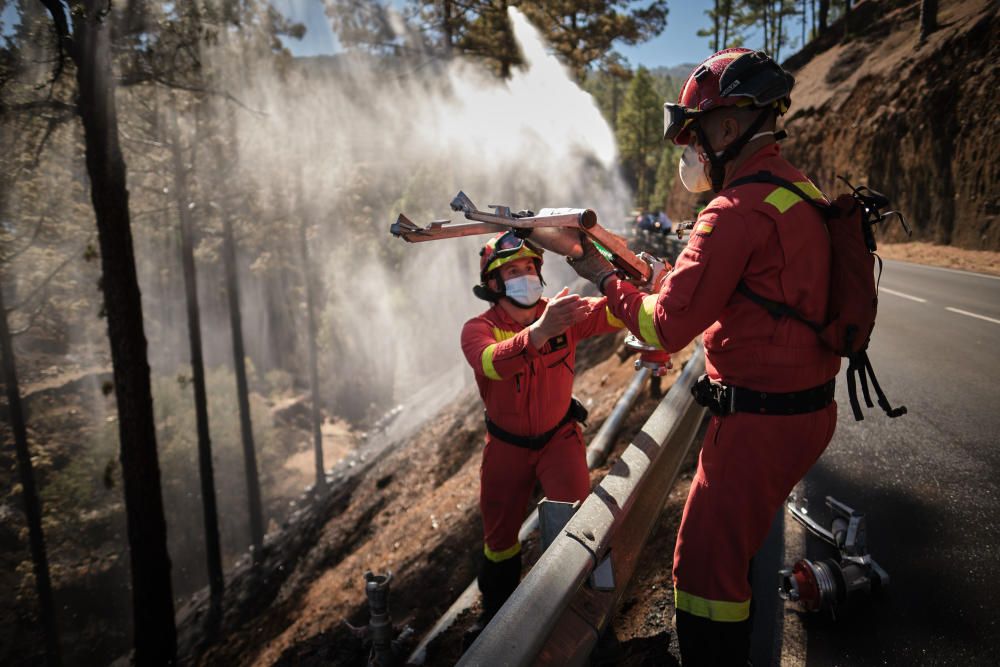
column 692, row 170
column 524, row 291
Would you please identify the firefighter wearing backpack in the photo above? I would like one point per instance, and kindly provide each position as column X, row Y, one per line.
column 769, row 381
column 523, row 352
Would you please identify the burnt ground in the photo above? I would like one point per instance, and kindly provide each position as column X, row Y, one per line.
column 411, row 507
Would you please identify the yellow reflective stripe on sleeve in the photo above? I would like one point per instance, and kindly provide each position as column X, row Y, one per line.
column 499, row 556
column 612, row 320
column 502, row 334
column 714, row 610
column 646, row 326
column 487, row 359
column 783, row 199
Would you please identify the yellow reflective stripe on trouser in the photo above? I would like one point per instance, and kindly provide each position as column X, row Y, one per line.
column 713, row 610
column 612, row 320
column 487, row 359
column 500, row 556
column 646, row 326
column 783, row 199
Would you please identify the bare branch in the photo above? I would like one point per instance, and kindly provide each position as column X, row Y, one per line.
column 69, row 110
column 31, row 319
column 136, row 140
column 209, row 91
column 60, row 24
column 34, row 235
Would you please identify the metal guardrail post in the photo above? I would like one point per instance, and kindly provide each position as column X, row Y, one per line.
column 632, row 493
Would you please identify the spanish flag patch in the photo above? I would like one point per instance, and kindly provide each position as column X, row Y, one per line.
column 704, row 228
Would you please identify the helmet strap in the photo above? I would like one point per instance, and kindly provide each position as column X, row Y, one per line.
column 483, row 291
column 717, row 171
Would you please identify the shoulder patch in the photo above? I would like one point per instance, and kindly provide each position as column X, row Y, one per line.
column 704, row 228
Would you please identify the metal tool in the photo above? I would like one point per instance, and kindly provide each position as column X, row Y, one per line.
column 651, row 357
column 385, row 650
column 833, row 584
column 555, row 229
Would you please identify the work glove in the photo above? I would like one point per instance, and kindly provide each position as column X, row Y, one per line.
column 592, row 265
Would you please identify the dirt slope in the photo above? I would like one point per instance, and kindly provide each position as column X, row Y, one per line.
column 917, row 122
column 414, row 511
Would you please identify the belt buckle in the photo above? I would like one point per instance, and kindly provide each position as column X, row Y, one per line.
column 723, row 398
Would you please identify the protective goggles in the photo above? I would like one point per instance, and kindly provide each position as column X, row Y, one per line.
column 676, row 119
column 505, row 249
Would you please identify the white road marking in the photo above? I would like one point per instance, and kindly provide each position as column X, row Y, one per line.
column 905, row 296
column 976, row 315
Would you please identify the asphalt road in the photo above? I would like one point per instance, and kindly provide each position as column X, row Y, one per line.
column 928, row 482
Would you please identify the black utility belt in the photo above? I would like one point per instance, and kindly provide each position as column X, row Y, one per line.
column 724, row 400
column 575, row 412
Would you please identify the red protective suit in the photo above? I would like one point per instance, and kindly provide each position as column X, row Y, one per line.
column 768, row 237
column 526, row 392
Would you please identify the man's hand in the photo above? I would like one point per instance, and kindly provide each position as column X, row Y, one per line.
column 592, row 266
column 561, row 312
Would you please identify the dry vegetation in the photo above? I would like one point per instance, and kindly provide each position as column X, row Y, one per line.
column 949, row 257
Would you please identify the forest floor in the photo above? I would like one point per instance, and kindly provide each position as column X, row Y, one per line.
column 72, row 432
column 414, row 512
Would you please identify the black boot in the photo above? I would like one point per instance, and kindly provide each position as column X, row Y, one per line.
column 712, row 643
column 497, row 580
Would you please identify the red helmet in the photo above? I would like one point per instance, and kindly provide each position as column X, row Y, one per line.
column 730, row 77
column 506, row 247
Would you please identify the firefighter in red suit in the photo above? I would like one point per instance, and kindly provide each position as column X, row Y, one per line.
column 769, row 380
column 522, row 352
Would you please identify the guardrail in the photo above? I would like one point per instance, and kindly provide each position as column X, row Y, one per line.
column 553, row 617
column 597, row 451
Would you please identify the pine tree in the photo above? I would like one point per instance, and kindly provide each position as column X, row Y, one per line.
column 87, row 41
column 639, row 132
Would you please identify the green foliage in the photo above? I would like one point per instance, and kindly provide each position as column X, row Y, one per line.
column 178, row 447
column 640, row 133
column 583, row 34
column 665, row 175
column 82, row 499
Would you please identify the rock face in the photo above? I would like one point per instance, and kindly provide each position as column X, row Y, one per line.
column 917, row 122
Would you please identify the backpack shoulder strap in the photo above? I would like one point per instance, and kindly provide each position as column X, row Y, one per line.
column 768, row 177
column 776, row 309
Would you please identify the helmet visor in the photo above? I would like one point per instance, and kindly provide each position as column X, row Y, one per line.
column 676, row 119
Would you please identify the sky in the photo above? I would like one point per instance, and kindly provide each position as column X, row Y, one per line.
column 677, row 44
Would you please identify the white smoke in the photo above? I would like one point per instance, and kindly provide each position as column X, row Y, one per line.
column 411, row 134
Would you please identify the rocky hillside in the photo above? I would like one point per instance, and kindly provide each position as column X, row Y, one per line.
column 915, row 121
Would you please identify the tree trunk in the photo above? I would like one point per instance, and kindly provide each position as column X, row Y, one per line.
column 154, row 631
column 804, row 21
column 778, row 34
column 767, row 43
column 32, row 503
column 447, row 27
column 847, row 19
column 824, row 10
column 727, row 16
column 313, row 359
column 213, row 556
column 928, row 18
column 715, row 25
column 242, row 392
